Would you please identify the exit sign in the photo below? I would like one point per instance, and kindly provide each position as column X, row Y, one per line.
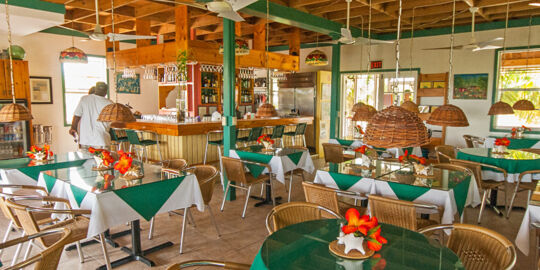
column 376, row 64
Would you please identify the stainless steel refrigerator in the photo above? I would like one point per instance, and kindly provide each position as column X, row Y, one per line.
column 14, row 137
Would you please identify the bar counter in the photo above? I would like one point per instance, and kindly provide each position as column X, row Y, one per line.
column 188, row 140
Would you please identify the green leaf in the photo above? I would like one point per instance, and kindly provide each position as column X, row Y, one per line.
column 373, row 230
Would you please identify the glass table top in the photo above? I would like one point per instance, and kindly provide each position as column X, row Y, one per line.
column 305, row 246
column 90, row 180
column 259, row 149
column 58, row 158
column 355, row 167
column 510, row 155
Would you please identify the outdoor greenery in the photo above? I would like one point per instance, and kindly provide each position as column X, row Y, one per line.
column 510, row 84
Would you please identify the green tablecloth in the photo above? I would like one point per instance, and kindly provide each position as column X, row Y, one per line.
column 522, row 143
column 515, row 162
column 305, row 246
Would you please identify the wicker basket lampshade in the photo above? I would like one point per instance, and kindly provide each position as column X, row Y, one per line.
column 266, row 110
column 14, row 112
column 364, row 113
column 358, row 106
column 116, row 112
column 524, row 105
column 410, row 106
column 448, row 115
column 396, row 127
column 500, row 108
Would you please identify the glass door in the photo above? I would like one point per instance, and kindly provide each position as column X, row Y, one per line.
column 357, row 88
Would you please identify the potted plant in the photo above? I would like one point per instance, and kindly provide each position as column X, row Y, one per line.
column 367, row 155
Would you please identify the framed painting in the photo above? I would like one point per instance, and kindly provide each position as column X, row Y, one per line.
column 41, row 90
column 128, row 85
column 470, row 86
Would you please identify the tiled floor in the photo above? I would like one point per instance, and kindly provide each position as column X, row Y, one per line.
column 240, row 238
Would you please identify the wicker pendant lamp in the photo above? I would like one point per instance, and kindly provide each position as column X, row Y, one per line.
column 524, row 105
column 115, row 112
column 499, row 108
column 449, row 115
column 410, row 106
column 364, row 113
column 13, row 112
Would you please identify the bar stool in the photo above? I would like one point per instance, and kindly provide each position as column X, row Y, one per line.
column 277, row 133
column 134, row 140
column 217, row 143
column 117, row 140
column 299, row 131
column 254, row 134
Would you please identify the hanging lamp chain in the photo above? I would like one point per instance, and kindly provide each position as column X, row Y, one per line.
column 528, row 43
column 369, row 41
column 12, row 84
column 412, row 40
column 114, row 51
column 397, row 42
column 506, row 25
column 451, row 56
column 266, row 49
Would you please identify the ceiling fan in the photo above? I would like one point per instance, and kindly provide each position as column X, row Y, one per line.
column 474, row 45
column 228, row 8
column 346, row 35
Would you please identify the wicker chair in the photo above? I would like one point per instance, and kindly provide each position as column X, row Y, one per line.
column 530, row 187
column 209, row 263
column 48, row 258
column 445, row 153
column 536, row 227
column 78, row 224
column 401, row 213
column 297, row 172
column 473, row 141
column 173, row 166
column 334, row 153
column 328, row 198
column 236, row 172
column 478, row 247
column 486, row 185
column 295, row 212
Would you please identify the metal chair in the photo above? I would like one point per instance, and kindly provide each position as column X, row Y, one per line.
column 277, row 133
column 333, row 153
column 299, row 131
column 209, row 263
column 235, row 171
column 216, row 142
column 173, row 166
column 478, row 247
column 401, row 213
column 116, row 140
column 295, row 212
column 473, row 141
column 520, row 186
column 328, row 197
column 143, row 144
column 445, row 153
column 254, row 134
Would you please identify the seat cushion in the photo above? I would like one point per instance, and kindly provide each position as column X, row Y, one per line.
column 77, row 225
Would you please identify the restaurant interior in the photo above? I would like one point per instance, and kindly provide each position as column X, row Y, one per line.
column 270, row 134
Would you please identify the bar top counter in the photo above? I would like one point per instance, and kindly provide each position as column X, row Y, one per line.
column 199, row 128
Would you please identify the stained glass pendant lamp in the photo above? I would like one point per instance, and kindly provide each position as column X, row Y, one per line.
column 13, row 112
column 317, row 57
column 73, row 55
column 241, row 47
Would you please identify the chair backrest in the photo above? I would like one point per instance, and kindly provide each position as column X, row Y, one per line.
column 277, row 132
column 48, row 258
column 333, row 152
column 206, row 175
column 175, row 164
column 474, row 167
column 209, row 263
column 532, row 150
column 479, row 247
column 255, row 133
column 445, row 153
column 469, row 140
column 396, row 212
column 26, row 218
column 234, row 169
column 132, row 136
column 454, row 167
column 321, row 195
column 533, row 180
column 300, row 129
column 295, row 212
column 6, row 210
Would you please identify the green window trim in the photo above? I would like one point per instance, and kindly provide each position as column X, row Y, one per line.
column 494, row 96
column 64, row 88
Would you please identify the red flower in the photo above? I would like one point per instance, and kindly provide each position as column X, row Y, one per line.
column 91, row 150
column 375, row 240
column 124, row 163
column 502, row 141
column 364, row 226
column 404, row 157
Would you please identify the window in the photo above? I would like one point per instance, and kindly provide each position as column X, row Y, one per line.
column 518, row 77
column 77, row 79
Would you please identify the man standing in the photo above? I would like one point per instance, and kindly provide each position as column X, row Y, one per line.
column 92, row 133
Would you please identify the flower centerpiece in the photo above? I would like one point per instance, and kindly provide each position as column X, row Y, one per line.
column 358, row 131
column 517, row 132
column 367, row 155
column 103, row 158
column 40, row 153
column 266, row 141
column 130, row 172
column 359, row 238
column 419, row 164
column 501, row 144
column 104, row 183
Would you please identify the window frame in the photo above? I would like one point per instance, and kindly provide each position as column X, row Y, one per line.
column 64, row 86
column 494, row 91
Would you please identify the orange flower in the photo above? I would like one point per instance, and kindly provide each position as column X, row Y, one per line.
column 91, row 150
column 124, row 163
column 362, row 149
column 404, row 157
column 502, row 141
column 356, row 223
column 375, row 240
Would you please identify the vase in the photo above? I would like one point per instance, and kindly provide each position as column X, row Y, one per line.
column 519, row 133
column 500, row 148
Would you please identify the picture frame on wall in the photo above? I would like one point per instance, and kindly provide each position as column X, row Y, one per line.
column 41, row 90
column 128, row 85
column 470, row 86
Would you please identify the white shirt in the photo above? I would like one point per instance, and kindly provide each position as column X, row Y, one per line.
column 91, row 131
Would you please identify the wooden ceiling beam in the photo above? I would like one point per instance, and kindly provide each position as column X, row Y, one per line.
column 301, row 3
column 333, row 8
column 206, row 20
column 150, row 9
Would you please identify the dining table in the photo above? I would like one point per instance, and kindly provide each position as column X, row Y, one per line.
column 25, row 171
column 515, row 143
column 352, row 143
column 452, row 191
column 305, row 246
column 114, row 201
column 532, row 215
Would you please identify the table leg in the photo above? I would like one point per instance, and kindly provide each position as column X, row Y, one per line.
column 493, row 202
column 135, row 253
column 108, row 238
column 267, row 199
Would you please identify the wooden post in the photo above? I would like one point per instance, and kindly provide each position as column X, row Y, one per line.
column 335, row 91
column 259, row 36
column 229, row 112
column 142, row 27
column 182, row 27
column 294, row 42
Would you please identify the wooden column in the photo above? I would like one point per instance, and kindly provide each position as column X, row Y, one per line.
column 238, row 29
column 335, row 91
column 294, row 42
column 142, row 27
column 108, row 44
column 259, row 36
column 182, row 27
column 229, row 129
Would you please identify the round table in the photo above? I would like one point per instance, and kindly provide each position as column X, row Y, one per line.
column 514, row 162
column 305, row 246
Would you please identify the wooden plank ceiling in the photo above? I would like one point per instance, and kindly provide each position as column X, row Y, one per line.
column 423, row 14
